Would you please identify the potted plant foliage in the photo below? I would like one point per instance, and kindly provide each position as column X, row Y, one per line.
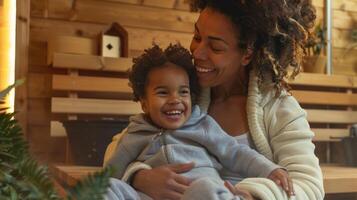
column 21, row 177
column 314, row 60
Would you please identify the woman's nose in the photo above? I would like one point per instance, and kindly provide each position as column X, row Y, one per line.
column 199, row 51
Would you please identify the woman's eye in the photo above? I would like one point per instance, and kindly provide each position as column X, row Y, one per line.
column 217, row 49
column 196, row 37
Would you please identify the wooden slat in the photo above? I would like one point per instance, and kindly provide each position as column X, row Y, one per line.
column 57, row 129
column 85, row 84
column 329, row 134
column 94, row 106
column 91, row 62
column 323, row 80
column 331, row 116
column 339, row 179
column 325, row 98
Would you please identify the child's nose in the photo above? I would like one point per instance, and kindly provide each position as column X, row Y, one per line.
column 174, row 99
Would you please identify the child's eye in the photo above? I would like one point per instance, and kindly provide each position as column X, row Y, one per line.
column 161, row 92
column 185, row 92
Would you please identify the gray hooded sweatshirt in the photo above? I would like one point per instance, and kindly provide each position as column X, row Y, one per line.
column 200, row 140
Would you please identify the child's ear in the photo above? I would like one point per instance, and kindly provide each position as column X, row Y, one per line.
column 143, row 104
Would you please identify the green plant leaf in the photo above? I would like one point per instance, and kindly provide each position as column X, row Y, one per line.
column 4, row 92
column 92, row 187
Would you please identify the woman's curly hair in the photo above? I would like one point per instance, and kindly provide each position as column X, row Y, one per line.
column 276, row 30
column 155, row 57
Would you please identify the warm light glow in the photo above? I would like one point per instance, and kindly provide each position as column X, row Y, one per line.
column 8, row 40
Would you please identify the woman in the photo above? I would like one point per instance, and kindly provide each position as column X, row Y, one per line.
column 242, row 51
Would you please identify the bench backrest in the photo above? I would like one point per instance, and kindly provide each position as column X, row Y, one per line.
column 331, row 105
column 88, row 86
column 330, row 102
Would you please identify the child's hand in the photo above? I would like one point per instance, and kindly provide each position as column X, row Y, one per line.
column 281, row 177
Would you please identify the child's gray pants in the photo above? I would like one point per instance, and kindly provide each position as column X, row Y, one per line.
column 200, row 189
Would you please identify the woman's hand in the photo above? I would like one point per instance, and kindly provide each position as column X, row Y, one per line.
column 238, row 191
column 163, row 182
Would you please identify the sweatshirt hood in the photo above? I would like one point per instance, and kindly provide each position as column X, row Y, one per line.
column 139, row 123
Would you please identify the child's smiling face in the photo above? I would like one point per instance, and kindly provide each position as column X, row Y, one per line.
column 167, row 99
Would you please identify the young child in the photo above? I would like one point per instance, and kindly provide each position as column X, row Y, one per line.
column 173, row 130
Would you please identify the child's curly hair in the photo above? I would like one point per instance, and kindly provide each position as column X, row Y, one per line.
column 155, row 57
column 276, row 30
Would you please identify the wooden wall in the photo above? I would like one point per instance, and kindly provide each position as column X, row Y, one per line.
column 161, row 21
column 344, row 21
column 146, row 22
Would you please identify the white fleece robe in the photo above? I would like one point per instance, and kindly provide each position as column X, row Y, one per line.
column 280, row 131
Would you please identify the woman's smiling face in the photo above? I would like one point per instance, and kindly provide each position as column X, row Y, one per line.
column 215, row 49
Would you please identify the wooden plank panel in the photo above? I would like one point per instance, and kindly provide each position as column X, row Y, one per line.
column 39, row 111
column 130, row 15
column 322, row 80
column 331, row 116
column 22, row 61
column 85, row 83
column 342, row 38
column 139, row 38
column 345, row 5
column 91, row 62
column 94, row 106
column 345, row 61
column 160, row 3
column 38, row 8
column 329, row 134
column 71, row 45
column 39, row 85
column 182, row 5
column 325, row 98
column 344, row 20
column 126, row 1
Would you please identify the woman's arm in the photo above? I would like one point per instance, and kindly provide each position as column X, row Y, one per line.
column 290, row 138
column 163, row 182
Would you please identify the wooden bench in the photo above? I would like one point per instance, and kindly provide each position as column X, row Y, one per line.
column 331, row 104
column 87, row 86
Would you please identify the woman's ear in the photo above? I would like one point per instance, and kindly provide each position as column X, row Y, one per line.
column 247, row 56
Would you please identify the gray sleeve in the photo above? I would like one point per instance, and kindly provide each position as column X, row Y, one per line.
column 126, row 152
column 236, row 157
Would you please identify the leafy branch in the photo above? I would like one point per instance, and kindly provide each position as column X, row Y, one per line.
column 21, row 177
